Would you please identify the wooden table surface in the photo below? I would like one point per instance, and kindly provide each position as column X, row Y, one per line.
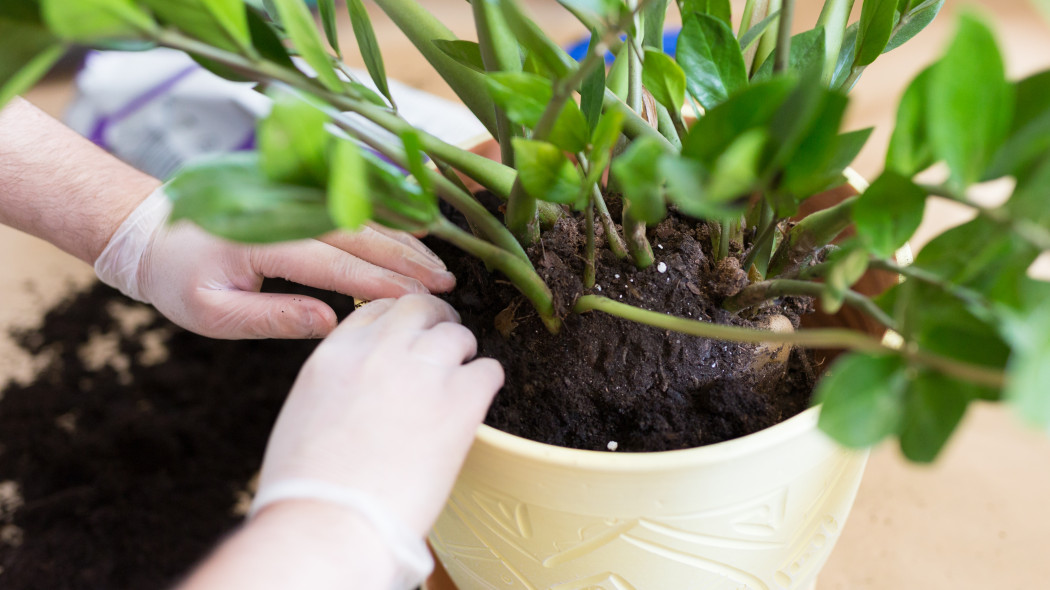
column 979, row 519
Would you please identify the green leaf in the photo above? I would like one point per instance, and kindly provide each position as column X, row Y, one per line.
column 934, row 406
column 862, row 399
column 222, row 23
column 89, row 21
column 606, row 10
column 736, row 172
column 711, row 58
column 27, row 52
column 844, row 66
column 299, row 24
column 688, row 183
column 914, row 22
column 753, row 107
column 266, row 42
column 909, row 152
column 967, row 122
column 888, row 213
column 606, row 134
column 807, row 55
column 877, row 19
column 293, row 142
column 817, row 150
column 592, row 91
column 664, row 79
column 653, row 17
column 230, row 197
column 720, row 9
column 348, row 191
column 535, row 41
column 369, row 46
column 546, row 173
column 524, row 98
column 848, row 265
column 467, row 53
column 637, row 173
column 755, row 33
column 1029, row 201
column 416, row 160
column 1028, row 370
column 1029, row 136
column 331, row 29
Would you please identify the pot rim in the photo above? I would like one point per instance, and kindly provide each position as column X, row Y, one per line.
column 797, row 425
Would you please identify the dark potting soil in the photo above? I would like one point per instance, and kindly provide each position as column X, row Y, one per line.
column 606, row 380
column 128, row 473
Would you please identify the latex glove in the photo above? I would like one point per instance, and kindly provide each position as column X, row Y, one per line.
column 211, row 286
column 380, row 419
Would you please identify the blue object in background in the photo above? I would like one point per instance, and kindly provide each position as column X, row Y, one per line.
column 579, row 49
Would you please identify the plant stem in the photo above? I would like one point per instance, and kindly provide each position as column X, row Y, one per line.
column 769, row 38
column 499, row 53
column 828, row 338
column 671, row 127
column 422, row 29
column 754, row 12
column 519, row 272
column 758, row 293
column 783, row 56
column 612, row 235
column 834, row 17
column 589, row 269
column 633, row 125
column 765, row 231
column 811, row 233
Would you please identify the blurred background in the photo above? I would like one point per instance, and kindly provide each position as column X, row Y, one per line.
column 978, row 519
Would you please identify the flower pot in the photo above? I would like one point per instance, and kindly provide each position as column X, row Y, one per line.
column 761, row 512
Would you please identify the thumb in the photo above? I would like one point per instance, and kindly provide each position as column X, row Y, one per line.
column 237, row 315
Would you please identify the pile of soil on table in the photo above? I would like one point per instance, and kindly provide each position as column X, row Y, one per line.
column 606, row 380
column 124, row 461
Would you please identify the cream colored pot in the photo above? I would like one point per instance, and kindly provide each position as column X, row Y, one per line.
column 760, row 512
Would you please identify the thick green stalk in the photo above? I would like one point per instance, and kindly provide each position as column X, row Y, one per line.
column 783, row 57
column 829, row 338
column 769, row 39
column 765, row 231
column 520, row 273
column 811, row 233
column 589, row 268
column 499, row 53
column 670, row 126
column 755, row 11
column 612, row 235
column 761, row 292
column 422, row 29
column 834, row 18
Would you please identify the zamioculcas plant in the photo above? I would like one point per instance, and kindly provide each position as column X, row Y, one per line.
column 714, row 151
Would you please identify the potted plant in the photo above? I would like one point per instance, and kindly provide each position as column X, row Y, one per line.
column 667, row 249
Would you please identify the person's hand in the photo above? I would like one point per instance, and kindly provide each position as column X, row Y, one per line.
column 211, row 286
column 387, row 407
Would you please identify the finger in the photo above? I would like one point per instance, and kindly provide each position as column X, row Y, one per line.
column 315, row 264
column 243, row 315
column 402, row 254
column 445, row 344
column 409, row 240
column 419, row 312
column 477, row 383
column 367, row 313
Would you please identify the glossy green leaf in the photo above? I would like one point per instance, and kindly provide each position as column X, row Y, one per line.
column 466, row 53
column 222, row 23
column 664, row 79
column 910, row 152
column 720, row 9
column 266, row 42
column 605, row 10
column 687, row 187
column 877, row 19
column 1028, row 370
column 913, row 23
column 369, row 46
column 546, row 173
column 862, row 399
column 848, row 265
column 230, row 197
column 605, row 137
column 89, row 21
column 753, row 107
column 711, row 58
column 299, row 24
column 736, row 172
column 844, row 66
column 1030, row 201
column 967, row 122
column 293, row 142
column 416, row 160
column 888, row 213
column 592, row 92
column 328, row 21
column 1029, row 138
column 637, row 174
column 934, row 406
column 807, row 55
column 818, row 149
column 348, row 191
column 524, row 98
column 654, row 14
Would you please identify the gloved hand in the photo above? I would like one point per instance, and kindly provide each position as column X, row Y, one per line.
column 380, row 420
column 211, row 286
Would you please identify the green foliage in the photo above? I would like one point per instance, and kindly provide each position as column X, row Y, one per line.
column 369, row 46
column 331, row 32
column 348, row 202
column 293, row 142
column 299, row 24
column 720, row 9
column 1029, row 371
column 711, row 58
column 664, row 79
column 546, row 173
column 231, row 197
column 27, row 50
column 917, row 18
column 524, row 98
column 888, row 213
column 466, row 53
column 848, row 265
column 88, row 21
column 638, row 176
column 934, row 406
column 806, row 55
column 877, row 19
column 909, row 152
column 862, row 398
column 222, row 23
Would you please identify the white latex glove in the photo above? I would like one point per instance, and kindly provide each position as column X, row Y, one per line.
column 211, row 286
column 380, row 420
